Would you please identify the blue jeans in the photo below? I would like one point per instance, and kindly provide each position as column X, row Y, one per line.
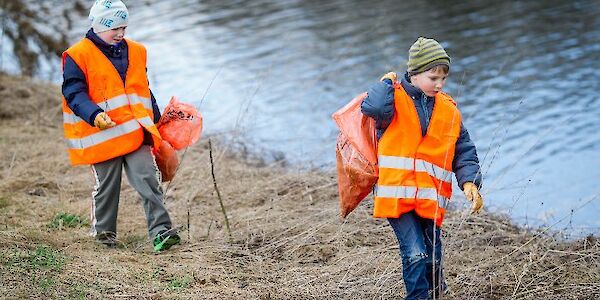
column 416, row 239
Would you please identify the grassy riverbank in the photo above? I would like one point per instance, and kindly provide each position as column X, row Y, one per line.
column 288, row 241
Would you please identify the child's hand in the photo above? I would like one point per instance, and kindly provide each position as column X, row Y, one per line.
column 391, row 76
column 103, row 121
column 472, row 194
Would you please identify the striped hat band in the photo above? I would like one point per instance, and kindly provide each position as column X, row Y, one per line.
column 425, row 54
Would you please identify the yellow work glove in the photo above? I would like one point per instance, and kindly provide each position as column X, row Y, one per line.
column 472, row 194
column 391, row 76
column 103, row 121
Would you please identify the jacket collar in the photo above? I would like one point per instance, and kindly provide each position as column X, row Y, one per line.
column 107, row 49
column 413, row 91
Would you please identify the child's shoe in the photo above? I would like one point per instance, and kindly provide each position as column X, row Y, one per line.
column 165, row 239
column 107, row 238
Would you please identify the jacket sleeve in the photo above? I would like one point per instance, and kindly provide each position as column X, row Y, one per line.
column 155, row 109
column 75, row 91
column 379, row 104
column 466, row 163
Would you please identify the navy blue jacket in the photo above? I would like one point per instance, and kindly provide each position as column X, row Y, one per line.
column 379, row 105
column 75, row 88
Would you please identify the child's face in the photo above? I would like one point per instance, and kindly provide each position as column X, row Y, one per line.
column 430, row 82
column 113, row 36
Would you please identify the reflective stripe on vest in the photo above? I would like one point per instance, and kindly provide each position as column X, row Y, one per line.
column 108, row 134
column 111, row 104
column 410, row 192
column 419, row 165
column 415, row 171
column 128, row 103
column 104, row 135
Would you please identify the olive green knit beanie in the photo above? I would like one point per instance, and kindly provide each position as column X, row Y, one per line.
column 425, row 54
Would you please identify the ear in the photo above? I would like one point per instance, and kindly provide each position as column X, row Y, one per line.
column 413, row 79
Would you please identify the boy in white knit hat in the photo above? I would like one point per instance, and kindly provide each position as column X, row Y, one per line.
column 109, row 121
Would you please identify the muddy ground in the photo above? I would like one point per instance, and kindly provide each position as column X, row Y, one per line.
column 287, row 240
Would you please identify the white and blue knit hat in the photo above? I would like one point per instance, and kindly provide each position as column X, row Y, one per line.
column 108, row 14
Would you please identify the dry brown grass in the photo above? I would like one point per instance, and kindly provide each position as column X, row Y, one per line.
column 288, row 241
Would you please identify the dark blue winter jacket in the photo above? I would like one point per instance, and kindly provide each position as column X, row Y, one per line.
column 75, row 88
column 379, row 105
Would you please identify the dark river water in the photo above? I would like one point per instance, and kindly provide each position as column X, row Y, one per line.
column 526, row 76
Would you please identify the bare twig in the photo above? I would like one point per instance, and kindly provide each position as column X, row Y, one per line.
column 10, row 166
column 188, row 220
column 208, row 229
column 212, row 171
column 210, row 84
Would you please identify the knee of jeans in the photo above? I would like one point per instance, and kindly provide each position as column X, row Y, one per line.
column 414, row 258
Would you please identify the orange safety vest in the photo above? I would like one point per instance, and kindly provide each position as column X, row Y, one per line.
column 129, row 105
column 415, row 171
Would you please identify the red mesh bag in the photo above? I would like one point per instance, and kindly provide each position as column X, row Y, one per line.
column 356, row 153
column 180, row 124
column 166, row 160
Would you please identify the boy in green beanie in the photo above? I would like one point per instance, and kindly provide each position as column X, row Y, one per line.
column 419, row 149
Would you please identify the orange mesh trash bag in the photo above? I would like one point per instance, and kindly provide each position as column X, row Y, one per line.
column 356, row 153
column 180, row 124
column 166, row 160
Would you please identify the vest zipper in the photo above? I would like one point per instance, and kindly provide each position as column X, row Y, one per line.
column 425, row 113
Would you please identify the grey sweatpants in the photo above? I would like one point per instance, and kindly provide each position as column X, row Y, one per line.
column 144, row 177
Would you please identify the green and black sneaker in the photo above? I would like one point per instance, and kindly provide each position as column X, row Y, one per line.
column 165, row 239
